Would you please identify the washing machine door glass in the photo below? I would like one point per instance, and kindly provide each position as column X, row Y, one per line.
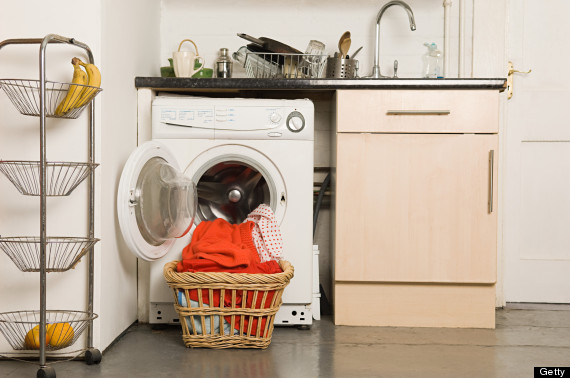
column 162, row 202
column 156, row 202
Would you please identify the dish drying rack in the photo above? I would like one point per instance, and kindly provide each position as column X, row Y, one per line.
column 261, row 65
column 43, row 254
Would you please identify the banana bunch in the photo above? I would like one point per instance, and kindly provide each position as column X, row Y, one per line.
column 82, row 87
column 74, row 91
column 94, row 76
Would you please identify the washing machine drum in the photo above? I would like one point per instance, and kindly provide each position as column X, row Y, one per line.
column 232, row 180
column 231, row 190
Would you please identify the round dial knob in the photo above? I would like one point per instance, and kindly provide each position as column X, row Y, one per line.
column 295, row 122
column 275, row 117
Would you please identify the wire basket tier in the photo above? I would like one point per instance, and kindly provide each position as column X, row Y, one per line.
column 62, row 253
column 284, row 66
column 61, row 177
column 63, row 328
column 25, row 95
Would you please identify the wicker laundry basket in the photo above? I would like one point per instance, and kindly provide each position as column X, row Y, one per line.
column 227, row 310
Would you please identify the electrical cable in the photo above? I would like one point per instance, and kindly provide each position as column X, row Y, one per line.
column 318, row 204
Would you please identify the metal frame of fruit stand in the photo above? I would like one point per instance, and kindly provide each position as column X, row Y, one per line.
column 92, row 355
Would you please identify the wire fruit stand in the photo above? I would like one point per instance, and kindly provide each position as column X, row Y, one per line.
column 36, row 332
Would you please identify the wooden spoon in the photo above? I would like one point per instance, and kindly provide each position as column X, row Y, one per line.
column 344, row 47
column 343, row 38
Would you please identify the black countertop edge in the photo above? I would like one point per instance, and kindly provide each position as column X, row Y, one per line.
column 176, row 83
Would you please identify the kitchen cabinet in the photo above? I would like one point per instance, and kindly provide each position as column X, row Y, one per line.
column 414, row 242
column 415, row 208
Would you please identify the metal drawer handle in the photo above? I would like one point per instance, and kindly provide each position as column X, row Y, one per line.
column 491, row 166
column 418, row 112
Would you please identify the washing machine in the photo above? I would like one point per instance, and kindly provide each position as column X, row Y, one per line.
column 220, row 158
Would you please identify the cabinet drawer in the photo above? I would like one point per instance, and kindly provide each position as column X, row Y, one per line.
column 418, row 111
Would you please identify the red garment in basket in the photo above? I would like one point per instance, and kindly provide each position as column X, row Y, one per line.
column 219, row 246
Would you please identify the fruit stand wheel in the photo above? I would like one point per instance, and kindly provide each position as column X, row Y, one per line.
column 93, row 356
column 46, row 372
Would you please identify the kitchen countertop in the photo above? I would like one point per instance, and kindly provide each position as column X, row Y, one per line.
column 189, row 84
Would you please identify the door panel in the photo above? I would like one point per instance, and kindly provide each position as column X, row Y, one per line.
column 414, row 208
column 550, row 123
column 541, row 237
column 536, row 195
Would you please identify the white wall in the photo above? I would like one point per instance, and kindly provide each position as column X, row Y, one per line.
column 123, row 36
column 130, row 48
column 489, row 38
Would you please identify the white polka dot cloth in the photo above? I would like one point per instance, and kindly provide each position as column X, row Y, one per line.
column 266, row 234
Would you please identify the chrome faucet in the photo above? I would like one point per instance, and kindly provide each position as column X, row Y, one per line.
column 376, row 68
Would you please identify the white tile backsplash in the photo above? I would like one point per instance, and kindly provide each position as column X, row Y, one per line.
column 213, row 25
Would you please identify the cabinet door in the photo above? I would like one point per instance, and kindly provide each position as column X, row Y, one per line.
column 415, row 208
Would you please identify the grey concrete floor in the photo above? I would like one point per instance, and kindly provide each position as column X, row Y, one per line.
column 526, row 336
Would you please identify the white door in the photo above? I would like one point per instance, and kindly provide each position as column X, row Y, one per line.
column 537, row 166
column 156, row 203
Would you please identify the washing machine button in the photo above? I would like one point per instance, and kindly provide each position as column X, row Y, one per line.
column 274, row 134
column 275, row 117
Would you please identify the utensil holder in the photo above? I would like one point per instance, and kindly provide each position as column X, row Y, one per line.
column 342, row 68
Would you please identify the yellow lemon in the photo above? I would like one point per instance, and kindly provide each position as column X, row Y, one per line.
column 32, row 339
column 60, row 334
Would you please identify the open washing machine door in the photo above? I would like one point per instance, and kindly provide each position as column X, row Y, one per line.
column 156, row 202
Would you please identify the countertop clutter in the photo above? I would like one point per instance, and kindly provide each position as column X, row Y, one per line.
column 273, row 65
column 270, row 64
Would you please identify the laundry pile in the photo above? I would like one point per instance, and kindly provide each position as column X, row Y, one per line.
column 253, row 246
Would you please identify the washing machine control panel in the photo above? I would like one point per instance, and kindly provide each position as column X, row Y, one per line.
column 188, row 117
column 249, row 118
column 179, row 117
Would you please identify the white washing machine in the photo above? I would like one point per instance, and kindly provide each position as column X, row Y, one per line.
column 221, row 158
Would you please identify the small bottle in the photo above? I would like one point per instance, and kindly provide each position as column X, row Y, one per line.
column 432, row 61
column 224, row 64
